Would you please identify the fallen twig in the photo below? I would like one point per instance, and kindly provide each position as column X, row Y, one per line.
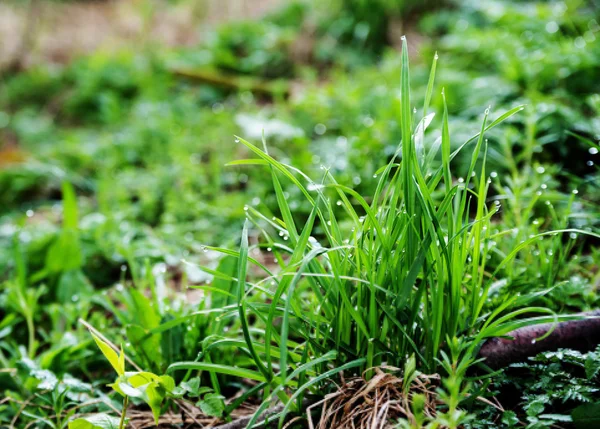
column 235, row 82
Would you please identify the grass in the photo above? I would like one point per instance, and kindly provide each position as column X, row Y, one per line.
column 408, row 277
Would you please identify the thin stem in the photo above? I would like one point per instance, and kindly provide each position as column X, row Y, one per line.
column 31, row 329
column 123, row 412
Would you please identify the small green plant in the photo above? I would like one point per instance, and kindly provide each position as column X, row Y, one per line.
column 551, row 388
column 149, row 387
column 453, row 391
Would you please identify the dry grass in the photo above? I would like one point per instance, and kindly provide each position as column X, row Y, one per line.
column 376, row 403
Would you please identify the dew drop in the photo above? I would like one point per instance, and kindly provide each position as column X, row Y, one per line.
column 320, row 129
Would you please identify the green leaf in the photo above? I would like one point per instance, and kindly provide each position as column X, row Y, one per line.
column 592, row 365
column 47, row 378
column 192, row 386
column 146, row 345
column 73, row 285
column 69, row 206
column 536, row 407
column 222, row 369
column 212, row 405
column 117, row 362
column 556, row 417
column 95, row 421
column 65, row 253
column 149, row 387
column 510, row 418
column 587, row 416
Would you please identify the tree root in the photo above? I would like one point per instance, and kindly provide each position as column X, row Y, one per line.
column 582, row 335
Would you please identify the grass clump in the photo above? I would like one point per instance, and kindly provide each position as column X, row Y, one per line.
column 402, row 272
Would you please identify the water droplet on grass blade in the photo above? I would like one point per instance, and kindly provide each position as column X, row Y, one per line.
column 593, row 151
column 552, row 27
column 320, row 129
